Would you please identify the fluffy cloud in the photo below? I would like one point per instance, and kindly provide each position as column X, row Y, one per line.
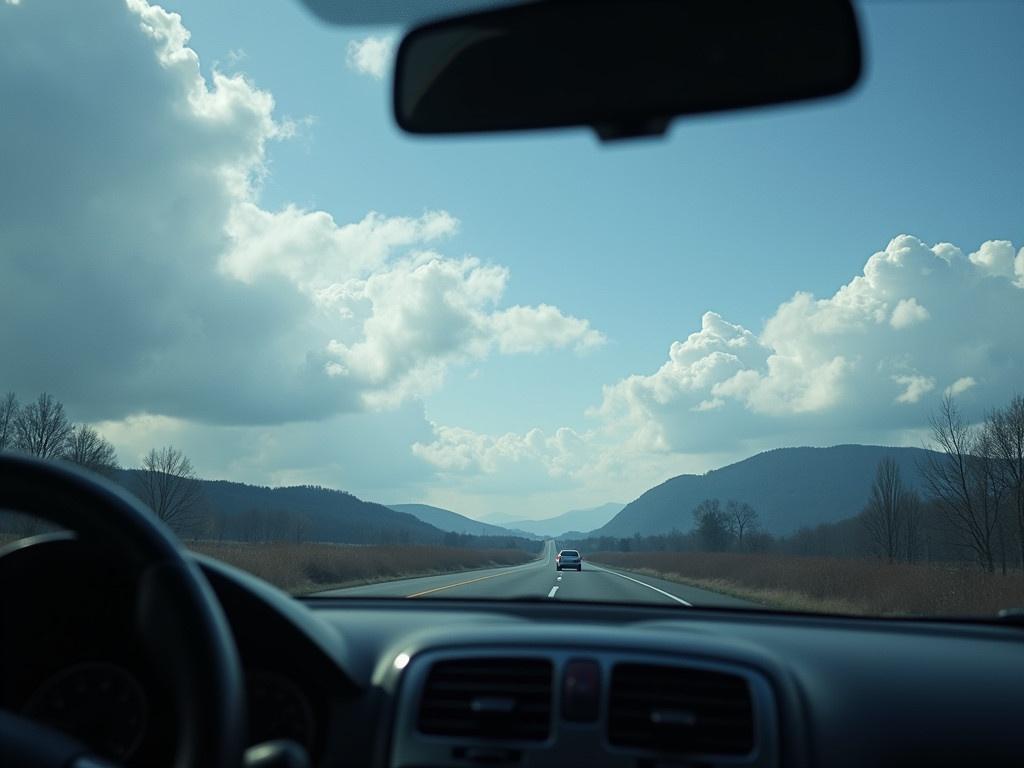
column 996, row 258
column 907, row 313
column 960, row 386
column 312, row 251
column 425, row 311
column 915, row 387
column 462, row 450
column 918, row 317
column 864, row 364
column 370, row 55
column 146, row 276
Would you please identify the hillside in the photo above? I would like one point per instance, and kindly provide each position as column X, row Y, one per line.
column 573, row 520
column 447, row 520
column 236, row 511
column 789, row 487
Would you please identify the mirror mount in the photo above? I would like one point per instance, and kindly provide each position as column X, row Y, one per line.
column 651, row 128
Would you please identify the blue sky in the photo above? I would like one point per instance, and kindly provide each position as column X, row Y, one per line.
column 732, row 215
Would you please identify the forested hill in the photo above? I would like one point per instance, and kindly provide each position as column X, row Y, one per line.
column 788, row 487
column 241, row 512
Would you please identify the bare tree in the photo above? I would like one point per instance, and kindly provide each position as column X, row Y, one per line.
column 913, row 525
column 884, row 515
column 42, row 428
column 741, row 519
column 168, row 484
column 961, row 476
column 87, row 448
column 8, row 419
column 1006, row 437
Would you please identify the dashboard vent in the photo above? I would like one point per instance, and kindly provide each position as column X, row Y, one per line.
column 681, row 710
column 488, row 698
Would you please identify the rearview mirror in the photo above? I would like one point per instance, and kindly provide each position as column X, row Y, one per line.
column 624, row 67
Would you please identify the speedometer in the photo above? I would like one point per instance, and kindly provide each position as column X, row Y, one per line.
column 99, row 703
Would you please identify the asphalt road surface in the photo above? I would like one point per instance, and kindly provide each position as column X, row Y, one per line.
column 539, row 579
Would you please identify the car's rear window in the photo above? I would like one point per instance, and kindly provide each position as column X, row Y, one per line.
column 570, row 553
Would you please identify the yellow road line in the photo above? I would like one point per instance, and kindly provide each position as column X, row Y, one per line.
column 459, row 584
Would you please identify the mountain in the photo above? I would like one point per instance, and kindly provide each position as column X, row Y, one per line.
column 499, row 518
column 236, row 511
column 573, row 520
column 447, row 520
column 789, row 487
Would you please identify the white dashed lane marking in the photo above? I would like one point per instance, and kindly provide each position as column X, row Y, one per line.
column 552, row 592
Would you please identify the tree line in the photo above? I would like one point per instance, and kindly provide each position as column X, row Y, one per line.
column 731, row 527
column 41, row 428
column 974, row 481
column 166, row 482
column 970, row 506
column 973, row 493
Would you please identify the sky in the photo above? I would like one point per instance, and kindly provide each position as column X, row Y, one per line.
column 213, row 235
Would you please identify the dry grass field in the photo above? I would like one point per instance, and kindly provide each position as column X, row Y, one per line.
column 310, row 567
column 833, row 585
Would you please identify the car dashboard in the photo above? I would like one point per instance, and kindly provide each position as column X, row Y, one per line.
column 407, row 683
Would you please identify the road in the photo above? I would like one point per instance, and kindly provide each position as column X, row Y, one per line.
column 538, row 579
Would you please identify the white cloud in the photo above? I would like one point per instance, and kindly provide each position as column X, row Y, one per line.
column 839, row 369
column 994, row 257
column 370, row 55
column 531, row 329
column 960, row 386
column 425, row 311
column 835, row 358
column 463, row 450
column 180, row 294
column 915, row 387
column 907, row 313
column 313, row 251
column 549, row 469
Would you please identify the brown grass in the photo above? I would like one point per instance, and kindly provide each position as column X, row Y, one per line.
column 311, row 567
column 833, row 585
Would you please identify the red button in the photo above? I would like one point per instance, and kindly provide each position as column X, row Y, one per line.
column 581, row 690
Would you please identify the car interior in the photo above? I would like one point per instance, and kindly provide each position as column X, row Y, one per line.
column 120, row 647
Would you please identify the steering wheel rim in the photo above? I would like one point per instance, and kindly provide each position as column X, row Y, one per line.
column 180, row 620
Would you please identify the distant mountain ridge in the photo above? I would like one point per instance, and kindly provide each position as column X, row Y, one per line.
column 237, row 511
column 447, row 520
column 573, row 520
column 789, row 487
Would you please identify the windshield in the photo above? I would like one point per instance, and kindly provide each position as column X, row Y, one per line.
column 772, row 359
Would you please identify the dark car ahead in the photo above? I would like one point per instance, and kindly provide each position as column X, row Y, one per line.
column 569, row 558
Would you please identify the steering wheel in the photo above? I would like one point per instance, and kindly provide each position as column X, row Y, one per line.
column 180, row 621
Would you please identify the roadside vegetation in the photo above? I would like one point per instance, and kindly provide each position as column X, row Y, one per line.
column 312, row 567
column 833, row 584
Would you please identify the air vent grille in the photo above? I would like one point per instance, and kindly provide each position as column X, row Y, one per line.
column 680, row 710
column 488, row 698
